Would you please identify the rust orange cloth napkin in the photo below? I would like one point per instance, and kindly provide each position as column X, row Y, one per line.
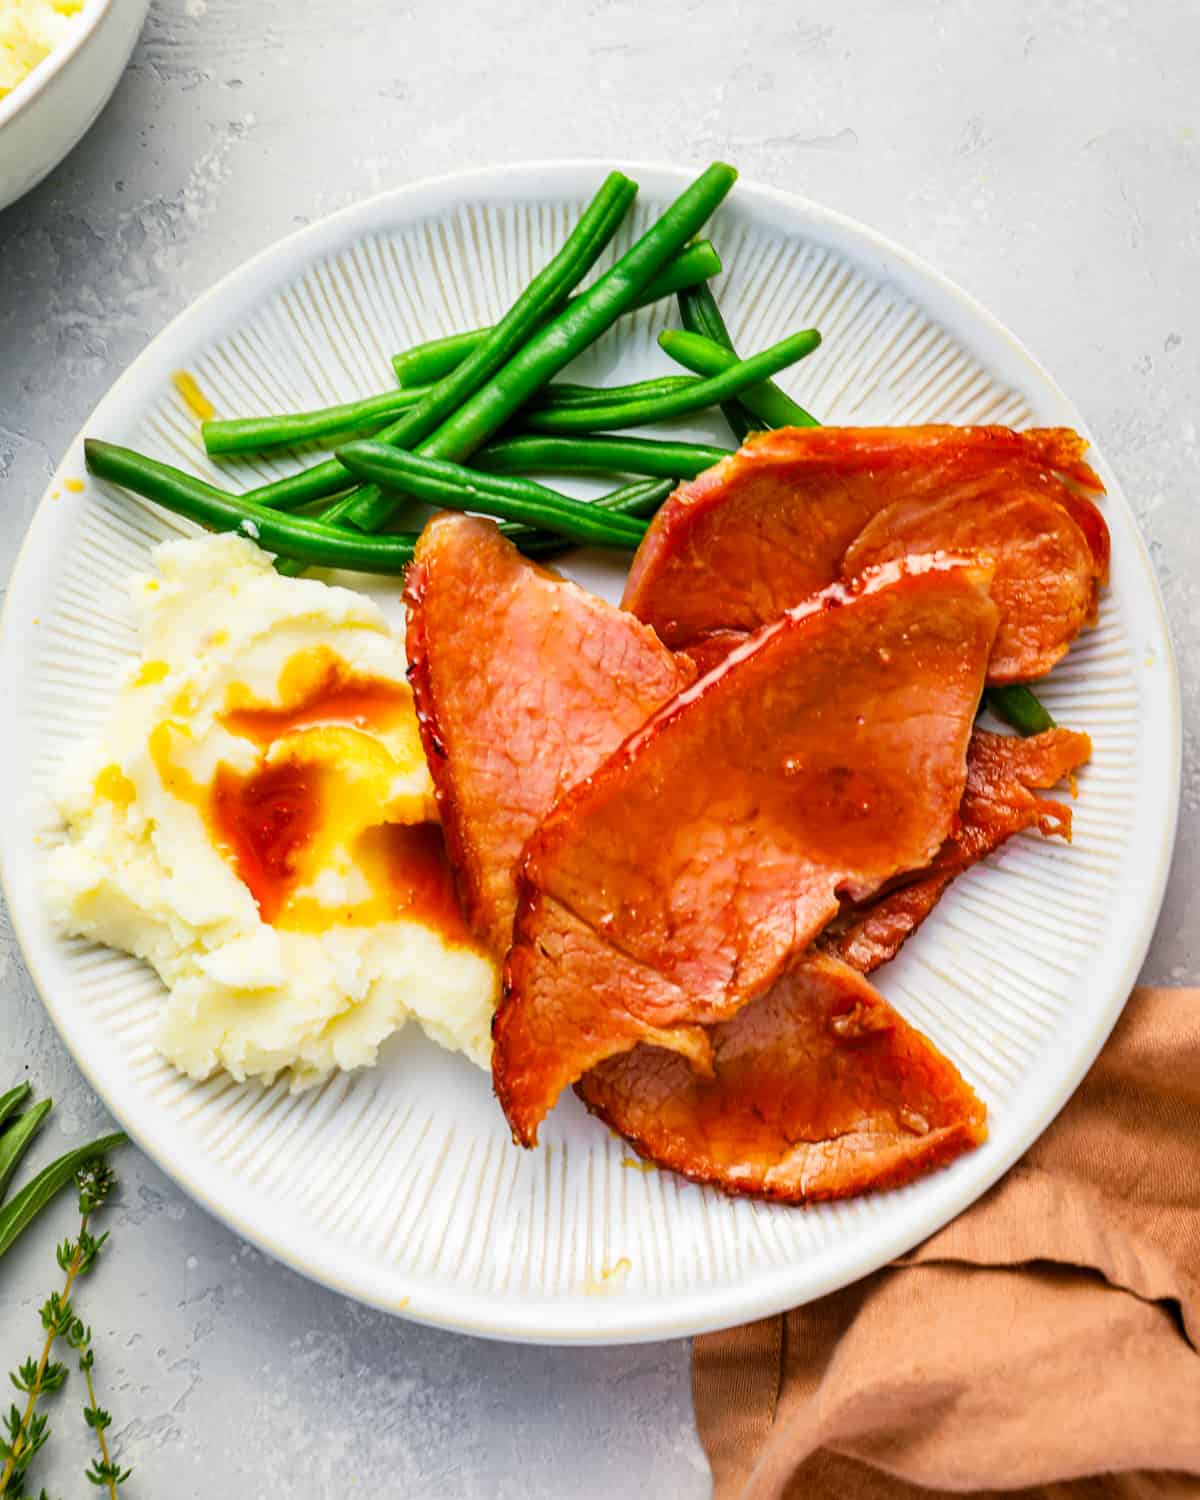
column 1043, row 1344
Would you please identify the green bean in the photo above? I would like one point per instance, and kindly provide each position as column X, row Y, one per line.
column 350, row 419
column 1019, row 706
column 740, row 376
column 699, row 313
column 562, row 394
column 566, row 455
column 303, row 542
column 335, row 513
column 704, row 355
column 457, row 488
column 603, row 455
column 363, row 418
column 310, row 542
column 558, row 342
column 543, row 294
column 432, row 360
column 329, row 513
column 261, row 434
column 641, row 498
column 435, row 358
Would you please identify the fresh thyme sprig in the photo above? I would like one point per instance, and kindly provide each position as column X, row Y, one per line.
column 102, row 1470
column 25, row 1432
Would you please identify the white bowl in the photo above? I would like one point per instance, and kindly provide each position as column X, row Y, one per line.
column 49, row 111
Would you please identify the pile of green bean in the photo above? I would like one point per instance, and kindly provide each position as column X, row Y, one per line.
column 474, row 413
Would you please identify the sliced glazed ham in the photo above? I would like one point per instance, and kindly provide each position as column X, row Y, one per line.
column 1002, row 774
column 818, row 1089
column 523, row 683
column 822, row 757
column 796, row 509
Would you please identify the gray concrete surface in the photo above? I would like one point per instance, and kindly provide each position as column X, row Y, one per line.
column 1044, row 153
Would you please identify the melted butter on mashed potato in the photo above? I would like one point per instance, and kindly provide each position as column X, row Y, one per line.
column 258, row 823
column 29, row 31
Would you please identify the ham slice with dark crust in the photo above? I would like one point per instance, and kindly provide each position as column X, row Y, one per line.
column 818, row 1089
column 796, row 509
column 820, row 759
column 1002, row 774
column 523, row 683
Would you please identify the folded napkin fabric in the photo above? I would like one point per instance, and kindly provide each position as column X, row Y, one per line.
column 1043, row 1344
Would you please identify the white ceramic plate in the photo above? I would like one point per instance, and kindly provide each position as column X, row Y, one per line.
column 399, row 1185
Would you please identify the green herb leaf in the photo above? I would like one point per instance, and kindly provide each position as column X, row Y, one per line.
column 24, row 1440
column 12, row 1426
column 89, row 1248
column 107, row 1473
column 56, row 1314
column 53, row 1376
column 13, row 1100
column 17, row 1215
column 16, row 1139
column 25, row 1375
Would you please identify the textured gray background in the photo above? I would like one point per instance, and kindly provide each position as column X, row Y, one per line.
column 1044, row 153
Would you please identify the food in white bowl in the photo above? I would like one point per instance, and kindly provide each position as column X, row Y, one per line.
column 60, row 61
column 258, row 823
column 29, row 31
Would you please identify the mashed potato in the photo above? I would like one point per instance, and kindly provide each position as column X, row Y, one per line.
column 257, row 823
column 29, row 31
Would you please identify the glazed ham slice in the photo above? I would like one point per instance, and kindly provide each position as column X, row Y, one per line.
column 820, row 759
column 1002, row 775
column 798, row 508
column 818, row 1089
column 523, row 683
column 859, row 1099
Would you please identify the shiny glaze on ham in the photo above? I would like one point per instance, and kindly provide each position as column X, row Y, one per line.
column 999, row 800
column 818, row 760
column 818, row 1090
column 796, row 509
column 523, row 683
